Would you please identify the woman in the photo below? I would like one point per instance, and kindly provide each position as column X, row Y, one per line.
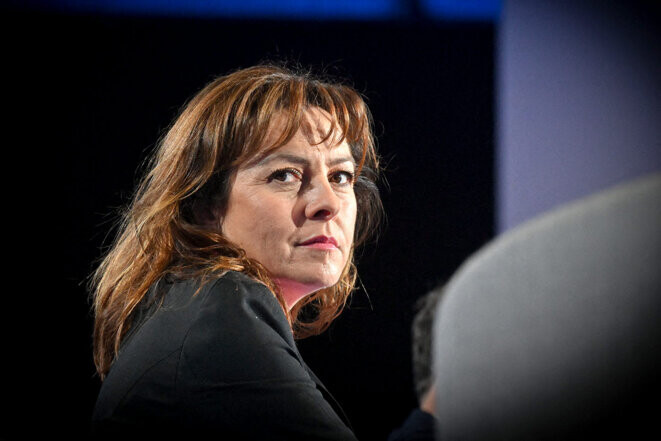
column 239, row 239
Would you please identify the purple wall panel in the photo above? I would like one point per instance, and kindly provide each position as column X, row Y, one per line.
column 579, row 102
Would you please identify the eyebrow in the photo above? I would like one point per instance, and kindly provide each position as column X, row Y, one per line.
column 287, row 157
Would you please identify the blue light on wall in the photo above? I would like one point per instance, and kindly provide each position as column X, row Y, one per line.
column 300, row 9
column 462, row 9
column 280, row 9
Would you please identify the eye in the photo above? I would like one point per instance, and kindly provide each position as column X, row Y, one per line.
column 342, row 178
column 285, row 175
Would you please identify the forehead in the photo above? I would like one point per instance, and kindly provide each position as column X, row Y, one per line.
column 314, row 126
column 311, row 138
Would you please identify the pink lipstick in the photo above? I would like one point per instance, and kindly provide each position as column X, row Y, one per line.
column 320, row 243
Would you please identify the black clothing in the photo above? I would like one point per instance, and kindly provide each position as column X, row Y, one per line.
column 419, row 426
column 221, row 362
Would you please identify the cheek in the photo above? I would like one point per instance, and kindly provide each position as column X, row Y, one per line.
column 269, row 241
column 269, row 231
column 260, row 224
column 241, row 219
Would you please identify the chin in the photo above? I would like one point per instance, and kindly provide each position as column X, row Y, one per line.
column 324, row 277
column 310, row 279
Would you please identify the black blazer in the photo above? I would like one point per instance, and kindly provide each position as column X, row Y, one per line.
column 220, row 362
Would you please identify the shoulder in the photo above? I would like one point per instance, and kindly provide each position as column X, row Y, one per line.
column 194, row 323
column 207, row 358
column 203, row 335
column 240, row 332
column 234, row 289
column 224, row 299
column 235, row 301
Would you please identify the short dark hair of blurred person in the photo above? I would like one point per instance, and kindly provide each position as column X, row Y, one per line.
column 420, row 423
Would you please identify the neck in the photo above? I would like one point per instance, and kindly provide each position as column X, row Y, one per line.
column 293, row 291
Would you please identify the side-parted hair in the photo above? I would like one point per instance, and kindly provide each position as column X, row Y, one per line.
column 161, row 234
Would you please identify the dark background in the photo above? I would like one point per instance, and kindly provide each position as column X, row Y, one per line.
column 89, row 97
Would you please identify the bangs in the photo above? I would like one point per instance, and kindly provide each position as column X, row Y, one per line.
column 287, row 98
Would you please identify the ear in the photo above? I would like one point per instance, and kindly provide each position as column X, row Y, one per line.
column 206, row 214
column 208, row 209
column 217, row 214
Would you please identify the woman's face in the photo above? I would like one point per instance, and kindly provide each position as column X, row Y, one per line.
column 294, row 210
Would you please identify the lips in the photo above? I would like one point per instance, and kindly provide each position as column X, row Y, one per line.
column 322, row 242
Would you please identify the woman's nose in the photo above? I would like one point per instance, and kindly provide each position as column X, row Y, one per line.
column 322, row 201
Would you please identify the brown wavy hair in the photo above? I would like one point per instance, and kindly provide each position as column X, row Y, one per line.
column 224, row 125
